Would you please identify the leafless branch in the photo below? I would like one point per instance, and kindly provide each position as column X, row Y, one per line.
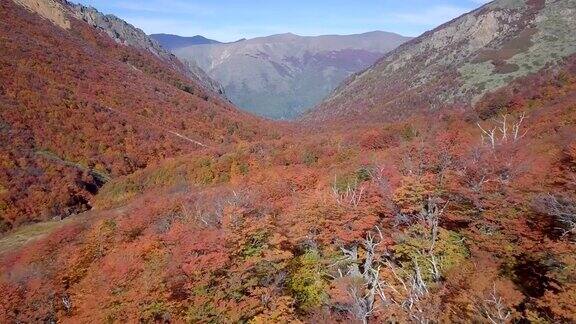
column 563, row 211
column 501, row 133
column 493, row 309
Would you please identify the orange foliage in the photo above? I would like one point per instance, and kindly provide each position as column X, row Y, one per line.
column 271, row 228
column 77, row 109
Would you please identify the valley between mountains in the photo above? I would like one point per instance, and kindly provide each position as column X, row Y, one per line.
column 425, row 180
column 283, row 76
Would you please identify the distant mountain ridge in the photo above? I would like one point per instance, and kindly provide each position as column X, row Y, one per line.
column 458, row 62
column 281, row 76
column 170, row 42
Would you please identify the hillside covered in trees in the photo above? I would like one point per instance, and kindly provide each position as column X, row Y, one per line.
column 201, row 214
column 78, row 108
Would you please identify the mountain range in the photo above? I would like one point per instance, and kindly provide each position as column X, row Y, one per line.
column 281, row 76
column 172, row 42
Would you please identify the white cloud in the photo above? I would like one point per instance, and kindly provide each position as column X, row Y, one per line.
column 433, row 16
column 167, row 6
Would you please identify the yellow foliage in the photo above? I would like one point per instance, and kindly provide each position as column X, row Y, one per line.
column 449, row 250
column 281, row 311
column 306, row 281
column 412, row 194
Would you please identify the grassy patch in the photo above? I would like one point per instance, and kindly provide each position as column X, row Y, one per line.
column 549, row 42
column 181, row 172
column 26, row 234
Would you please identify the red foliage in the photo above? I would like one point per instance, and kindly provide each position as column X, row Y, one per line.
column 76, row 109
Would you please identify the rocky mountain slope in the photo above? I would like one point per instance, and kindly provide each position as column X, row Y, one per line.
column 458, row 62
column 171, row 42
column 85, row 98
column 281, row 76
column 127, row 34
column 120, row 31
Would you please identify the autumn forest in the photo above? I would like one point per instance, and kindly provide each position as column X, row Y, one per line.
column 131, row 192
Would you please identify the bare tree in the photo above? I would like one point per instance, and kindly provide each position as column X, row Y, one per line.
column 477, row 175
column 563, row 211
column 367, row 271
column 380, row 181
column 405, row 290
column 503, row 132
column 352, row 196
column 67, row 303
column 516, row 133
column 429, row 217
column 493, row 308
column 414, row 161
column 208, row 212
column 489, row 136
column 362, row 306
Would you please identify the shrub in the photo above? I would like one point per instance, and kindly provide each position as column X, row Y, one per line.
column 309, row 158
column 344, row 182
column 411, row 196
column 363, row 174
column 409, row 133
column 306, row 283
column 155, row 312
column 571, row 152
column 377, row 139
column 255, row 244
column 116, row 192
column 204, row 312
column 449, row 250
column 495, row 104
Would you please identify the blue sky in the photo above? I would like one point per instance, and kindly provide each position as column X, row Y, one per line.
column 229, row 20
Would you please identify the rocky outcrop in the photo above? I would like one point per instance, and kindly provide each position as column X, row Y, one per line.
column 48, row 9
column 59, row 12
column 119, row 30
column 126, row 34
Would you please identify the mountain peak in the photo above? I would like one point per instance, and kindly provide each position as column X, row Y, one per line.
column 171, row 42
